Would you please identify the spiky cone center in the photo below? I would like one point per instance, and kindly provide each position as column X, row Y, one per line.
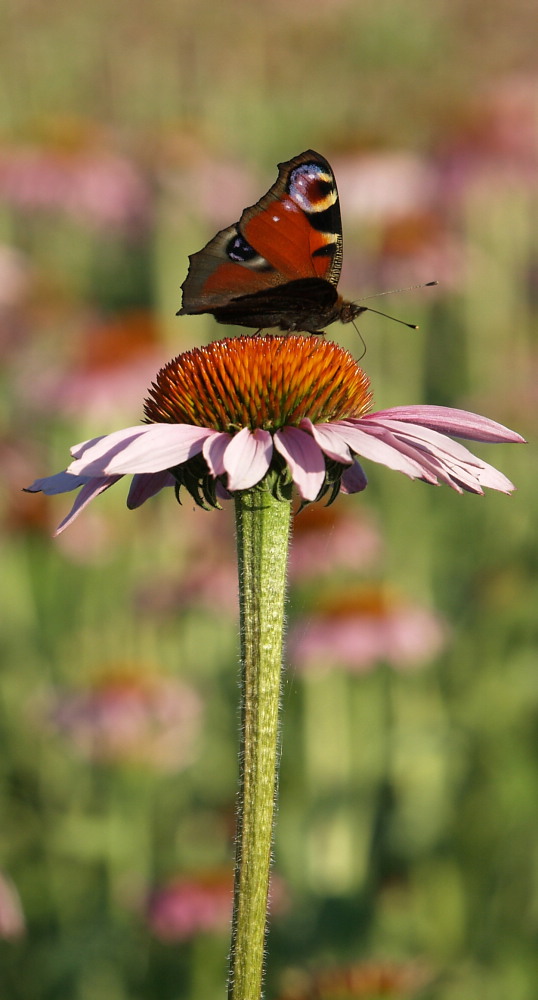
column 259, row 382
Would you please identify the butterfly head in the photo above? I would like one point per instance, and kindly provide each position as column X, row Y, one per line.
column 348, row 311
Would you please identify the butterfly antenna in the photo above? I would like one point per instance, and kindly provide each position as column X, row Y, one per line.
column 361, row 338
column 393, row 291
column 412, row 326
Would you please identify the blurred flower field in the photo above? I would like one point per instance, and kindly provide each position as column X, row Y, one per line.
column 406, row 860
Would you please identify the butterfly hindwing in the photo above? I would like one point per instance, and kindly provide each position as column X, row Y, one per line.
column 293, row 232
column 303, row 304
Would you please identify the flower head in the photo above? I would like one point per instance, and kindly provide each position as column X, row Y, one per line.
column 286, row 411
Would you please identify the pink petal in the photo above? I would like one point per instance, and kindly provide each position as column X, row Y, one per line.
column 366, row 442
column 61, row 482
column 433, row 469
column 330, row 443
column 88, row 493
column 425, row 437
column 145, row 485
column 490, row 477
column 353, row 479
column 305, row 459
column 472, row 477
column 213, row 451
column 247, row 458
column 462, row 423
column 448, row 459
column 150, row 448
column 434, row 466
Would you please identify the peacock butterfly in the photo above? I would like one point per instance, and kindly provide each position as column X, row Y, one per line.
column 279, row 265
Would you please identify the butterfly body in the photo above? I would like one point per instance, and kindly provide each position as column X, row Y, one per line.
column 279, row 265
column 308, row 304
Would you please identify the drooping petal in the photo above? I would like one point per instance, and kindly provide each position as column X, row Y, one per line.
column 331, row 444
column 471, row 477
column 213, row 452
column 368, row 444
column 490, row 477
column 305, row 459
column 353, row 479
column 426, row 438
column 89, row 491
column 433, row 470
column 449, row 460
column 247, row 458
column 449, row 420
column 145, row 485
column 150, row 448
column 61, row 482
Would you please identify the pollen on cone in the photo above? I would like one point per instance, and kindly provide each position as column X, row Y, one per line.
column 267, row 382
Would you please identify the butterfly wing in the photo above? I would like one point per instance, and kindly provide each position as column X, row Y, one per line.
column 293, row 232
column 307, row 304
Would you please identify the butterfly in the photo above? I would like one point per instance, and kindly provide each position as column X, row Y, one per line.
column 279, row 265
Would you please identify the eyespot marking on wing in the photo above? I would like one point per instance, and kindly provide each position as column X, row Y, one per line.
column 239, row 250
column 312, row 188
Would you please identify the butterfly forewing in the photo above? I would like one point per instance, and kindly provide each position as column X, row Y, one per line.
column 223, row 270
column 293, row 232
column 296, row 226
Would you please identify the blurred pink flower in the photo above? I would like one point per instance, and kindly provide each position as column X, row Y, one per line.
column 12, row 923
column 131, row 717
column 207, row 582
column 189, row 906
column 332, row 538
column 90, row 183
column 206, row 575
column 202, row 903
column 359, row 628
column 420, row 246
column 492, row 139
column 115, row 359
column 376, row 185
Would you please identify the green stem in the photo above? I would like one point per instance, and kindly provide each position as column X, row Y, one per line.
column 263, row 525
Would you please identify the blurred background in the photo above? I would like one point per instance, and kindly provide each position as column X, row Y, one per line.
column 406, row 854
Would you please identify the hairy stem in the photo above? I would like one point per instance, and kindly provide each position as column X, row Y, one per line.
column 263, row 525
